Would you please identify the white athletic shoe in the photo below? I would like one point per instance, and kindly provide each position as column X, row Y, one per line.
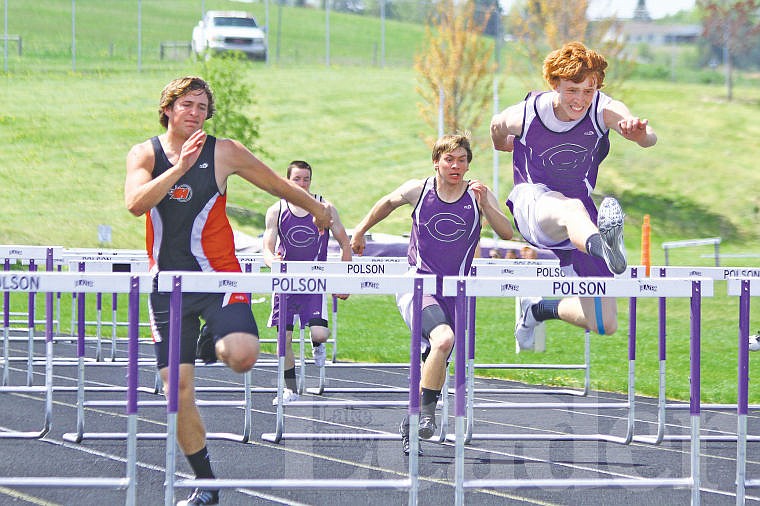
column 319, row 353
column 288, row 396
column 526, row 324
column 754, row 342
column 610, row 224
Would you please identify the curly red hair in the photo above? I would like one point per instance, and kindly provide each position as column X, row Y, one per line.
column 574, row 62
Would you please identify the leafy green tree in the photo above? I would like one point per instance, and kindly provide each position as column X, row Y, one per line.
column 233, row 97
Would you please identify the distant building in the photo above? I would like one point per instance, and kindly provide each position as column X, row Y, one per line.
column 640, row 29
column 636, row 32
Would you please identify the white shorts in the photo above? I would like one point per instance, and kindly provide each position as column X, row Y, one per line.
column 524, row 197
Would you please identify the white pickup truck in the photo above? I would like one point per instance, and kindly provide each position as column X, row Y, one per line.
column 221, row 31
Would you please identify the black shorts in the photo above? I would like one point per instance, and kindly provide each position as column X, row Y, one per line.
column 220, row 319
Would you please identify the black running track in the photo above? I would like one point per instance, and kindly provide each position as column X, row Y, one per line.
column 354, row 457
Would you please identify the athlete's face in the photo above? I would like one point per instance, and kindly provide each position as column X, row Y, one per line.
column 453, row 165
column 301, row 177
column 188, row 112
column 573, row 99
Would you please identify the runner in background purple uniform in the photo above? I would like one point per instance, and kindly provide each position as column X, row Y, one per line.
column 558, row 139
column 290, row 234
column 446, row 222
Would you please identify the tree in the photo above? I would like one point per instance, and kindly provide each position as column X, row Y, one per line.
column 226, row 75
column 732, row 26
column 540, row 26
column 456, row 63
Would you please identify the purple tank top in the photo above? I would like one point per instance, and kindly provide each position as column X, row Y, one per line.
column 567, row 162
column 299, row 238
column 444, row 235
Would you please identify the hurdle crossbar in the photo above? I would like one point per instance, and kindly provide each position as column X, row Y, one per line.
column 463, row 287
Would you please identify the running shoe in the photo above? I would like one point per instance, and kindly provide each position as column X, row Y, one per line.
column 205, row 351
column 201, row 496
column 427, row 426
column 610, row 224
column 319, row 353
column 288, row 396
column 526, row 324
column 754, row 342
column 403, row 429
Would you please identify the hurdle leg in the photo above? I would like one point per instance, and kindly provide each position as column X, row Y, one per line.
column 30, row 333
column 6, row 330
column 114, row 325
column 301, row 355
column 99, row 327
column 334, row 330
column 247, row 408
column 281, row 343
column 6, row 361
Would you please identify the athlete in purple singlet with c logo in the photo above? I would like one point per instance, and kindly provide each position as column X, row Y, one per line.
column 558, row 139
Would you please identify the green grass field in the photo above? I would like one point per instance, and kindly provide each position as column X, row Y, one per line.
column 66, row 135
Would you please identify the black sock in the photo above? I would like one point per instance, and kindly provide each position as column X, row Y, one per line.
column 201, row 464
column 314, row 344
column 595, row 246
column 546, row 309
column 290, row 379
column 429, row 401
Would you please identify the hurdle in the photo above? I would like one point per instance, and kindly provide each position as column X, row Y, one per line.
column 181, row 282
column 391, row 267
column 745, row 288
column 463, row 287
column 715, row 274
column 539, row 270
column 526, row 268
column 104, row 261
column 27, row 255
column 628, row 404
column 83, row 283
column 383, row 266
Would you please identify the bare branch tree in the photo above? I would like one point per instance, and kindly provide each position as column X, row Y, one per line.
column 458, row 61
column 540, row 26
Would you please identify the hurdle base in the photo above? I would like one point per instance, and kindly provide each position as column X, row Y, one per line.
column 73, row 437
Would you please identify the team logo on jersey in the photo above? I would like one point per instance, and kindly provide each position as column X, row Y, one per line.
column 446, row 227
column 181, row 193
column 590, row 132
column 564, row 157
column 301, row 236
column 204, row 165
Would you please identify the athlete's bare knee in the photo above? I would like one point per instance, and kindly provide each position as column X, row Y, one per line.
column 319, row 334
column 610, row 326
column 442, row 339
column 239, row 351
